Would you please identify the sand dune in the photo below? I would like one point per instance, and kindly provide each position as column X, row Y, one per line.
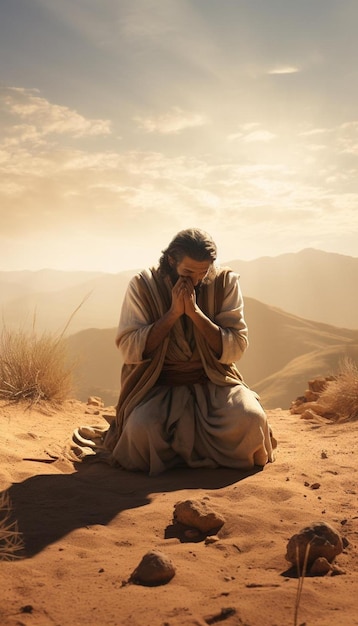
column 86, row 528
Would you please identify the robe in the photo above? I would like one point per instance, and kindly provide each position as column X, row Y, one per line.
column 184, row 404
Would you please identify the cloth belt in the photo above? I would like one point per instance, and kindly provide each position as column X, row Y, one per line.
column 182, row 373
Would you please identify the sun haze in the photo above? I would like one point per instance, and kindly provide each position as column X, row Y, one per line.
column 124, row 123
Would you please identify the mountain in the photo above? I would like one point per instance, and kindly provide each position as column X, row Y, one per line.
column 312, row 284
column 284, row 352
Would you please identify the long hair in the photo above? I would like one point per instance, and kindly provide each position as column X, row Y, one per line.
column 192, row 242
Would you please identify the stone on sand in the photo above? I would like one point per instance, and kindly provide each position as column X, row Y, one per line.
column 320, row 539
column 197, row 514
column 154, row 569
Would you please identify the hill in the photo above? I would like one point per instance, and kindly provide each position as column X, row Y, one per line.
column 312, row 284
column 284, row 352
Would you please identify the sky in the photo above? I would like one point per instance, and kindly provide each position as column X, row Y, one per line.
column 124, row 121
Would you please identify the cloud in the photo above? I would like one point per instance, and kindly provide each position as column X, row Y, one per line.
column 42, row 118
column 251, row 133
column 50, row 185
column 259, row 135
column 341, row 139
column 284, row 69
column 174, row 121
column 314, row 131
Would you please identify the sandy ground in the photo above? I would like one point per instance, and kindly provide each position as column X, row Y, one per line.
column 86, row 527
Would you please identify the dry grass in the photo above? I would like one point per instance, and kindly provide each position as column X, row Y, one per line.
column 341, row 394
column 34, row 368
column 10, row 539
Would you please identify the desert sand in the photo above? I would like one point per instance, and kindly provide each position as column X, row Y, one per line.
column 85, row 527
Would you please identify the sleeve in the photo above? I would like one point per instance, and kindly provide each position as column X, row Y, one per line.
column 232, row 323
column 134, row 325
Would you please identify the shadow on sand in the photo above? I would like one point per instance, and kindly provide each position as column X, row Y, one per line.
column 49, row 506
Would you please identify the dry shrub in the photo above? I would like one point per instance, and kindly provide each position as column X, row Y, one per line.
column 341, row 395
column 11, row 542
column 34, row 368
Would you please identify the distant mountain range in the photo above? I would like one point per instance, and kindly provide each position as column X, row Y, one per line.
column 301, row 309
column 315, row 285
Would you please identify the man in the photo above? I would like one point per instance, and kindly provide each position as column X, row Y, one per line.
column 182, row 399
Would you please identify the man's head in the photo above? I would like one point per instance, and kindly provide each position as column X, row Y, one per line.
column 192, row 253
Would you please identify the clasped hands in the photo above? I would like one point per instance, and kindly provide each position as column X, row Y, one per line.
column 184, row 297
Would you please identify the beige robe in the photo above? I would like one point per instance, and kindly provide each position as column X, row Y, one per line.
column 218, row 422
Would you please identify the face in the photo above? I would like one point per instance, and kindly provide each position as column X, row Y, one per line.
column 195, row 270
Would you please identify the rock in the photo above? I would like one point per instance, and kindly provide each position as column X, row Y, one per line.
column 95, row 401
column 311, row 396
column 197, row 514
column 211, row 539
column 154, row 569
column 320, row 567
column 322, row 540
column 337, row 571
column 92, row 411
column 308, row 405
column 319, row 384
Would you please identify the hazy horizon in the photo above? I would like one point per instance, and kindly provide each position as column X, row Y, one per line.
column 222, row 261
column 123, row 123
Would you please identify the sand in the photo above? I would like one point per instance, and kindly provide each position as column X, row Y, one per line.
column 86, row 527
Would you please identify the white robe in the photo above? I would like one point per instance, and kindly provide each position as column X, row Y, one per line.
column 216, row 423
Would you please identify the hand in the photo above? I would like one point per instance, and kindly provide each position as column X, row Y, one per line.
column 177, row 305
column 190, row 305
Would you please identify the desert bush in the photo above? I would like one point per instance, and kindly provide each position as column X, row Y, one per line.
column 341, row 395
column 11, row 542
column 34, row 367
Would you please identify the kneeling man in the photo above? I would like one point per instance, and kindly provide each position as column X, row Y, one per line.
column 183, row 400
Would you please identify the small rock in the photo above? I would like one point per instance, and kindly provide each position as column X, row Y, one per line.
column 211, row 539
column 320, row 567
column 320, row 539
column 91, row 411
column 337, row 571
column 95, row 401
column 198, row 515
column 154, row 569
